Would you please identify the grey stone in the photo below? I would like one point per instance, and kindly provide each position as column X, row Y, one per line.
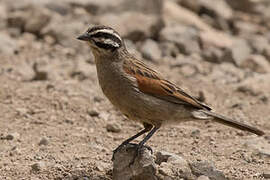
column 203, row 178
column 173, row 166
column 175, row 14
column 206, row 169
column 215, row 39
column 266, row 175
column 169, row 49
column 113, row 127
column 58, row 7
column 12, row 136
column 238, row 52
column 256, row 63
column 99, row 7
column 152, row 24
column 255, row 85
column 212, row 54
column 7, row 45
column 38, row 166
column 217, row 8
column 93, row 112
column 191, row 4
column 37, row 19
column 61, row 34
column 31, row 19
column 246, row 28
column 44, row 141
column 150, row 50
column 186, row 38
column 227, row 73
column 259, row 43
column 143, row 167
column 243, row 5
column 258, row 145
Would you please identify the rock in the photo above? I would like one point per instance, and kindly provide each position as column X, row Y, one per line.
column 246, row 28
column 255, row 85
column 242, row 5
column 39, row 74
column 133, row 31
column 206, row 169
column 142, row 6
column 212, row 54
column 3, row 16
column 216, row 8
column 31, row 19
column 17, row 19
column 195, row 133
column 259, row 43
column 258, row 145
column 215, row 39
column 96, row 7
column 61, row 34
column 203, row 178
column 44, row 141
column 7, row 45
column 193, row 5
column 113, row 127
column 93, row 113
column 37, row 20
column 150, row 50
column 266, row 53
column 143, row 167
column 256, row 63
column 172, row 165
column 238, row 52
column 118, row 6
column 58, row 7
column 12, row 136
column 185, row 38
column 227, row 73
column 38, row 166
column 174, row 14
column 169, row 49
column 266, row 175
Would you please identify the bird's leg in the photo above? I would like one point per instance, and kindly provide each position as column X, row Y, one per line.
column 147, row 127
column 140, row 145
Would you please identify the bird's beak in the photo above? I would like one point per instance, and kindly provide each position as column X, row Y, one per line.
column 84, row 37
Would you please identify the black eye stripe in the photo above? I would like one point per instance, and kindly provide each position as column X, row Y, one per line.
column 106, row 35
column 105, row 46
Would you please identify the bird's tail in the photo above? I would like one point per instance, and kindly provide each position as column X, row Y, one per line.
column 204, row 114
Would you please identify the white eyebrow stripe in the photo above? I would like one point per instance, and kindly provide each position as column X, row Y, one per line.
column 109, row 31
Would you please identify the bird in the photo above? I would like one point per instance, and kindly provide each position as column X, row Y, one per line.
column 141, row 93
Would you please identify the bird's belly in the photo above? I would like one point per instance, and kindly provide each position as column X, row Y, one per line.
column 146, row 108
column 137, row 105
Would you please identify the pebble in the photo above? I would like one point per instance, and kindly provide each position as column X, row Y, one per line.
column 113, row 127
column 12, row 136
column 44, row 141
column 93, row 112
column 38, row 166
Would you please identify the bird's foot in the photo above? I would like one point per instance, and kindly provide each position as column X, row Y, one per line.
column 138, row 148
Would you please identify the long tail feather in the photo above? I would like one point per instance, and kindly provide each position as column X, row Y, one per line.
column 232, row 123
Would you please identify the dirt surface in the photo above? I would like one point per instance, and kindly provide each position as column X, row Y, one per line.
column 54, row 118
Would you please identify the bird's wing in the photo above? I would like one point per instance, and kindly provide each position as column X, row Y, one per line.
column 152, row 83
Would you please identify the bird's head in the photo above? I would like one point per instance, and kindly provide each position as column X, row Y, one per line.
column 102, row 40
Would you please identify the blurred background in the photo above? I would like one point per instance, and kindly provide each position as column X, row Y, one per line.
column 55, row 122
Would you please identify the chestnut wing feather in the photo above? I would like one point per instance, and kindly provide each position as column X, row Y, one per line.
column 150, row 82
